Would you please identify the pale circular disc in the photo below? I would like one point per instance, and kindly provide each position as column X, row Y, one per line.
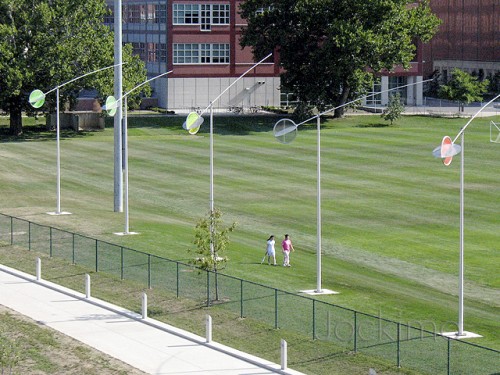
column 448, row 150
column 37, row 98
column 193, row 123
column 111, row 105
column 285, row 130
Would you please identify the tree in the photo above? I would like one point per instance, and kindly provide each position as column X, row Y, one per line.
column 211, row 240
column 45, row 43
column 394, row 108
column 463, row 88
column 328, row 48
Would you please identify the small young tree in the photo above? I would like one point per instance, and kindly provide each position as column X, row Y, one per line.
column 463, row 88
column 211, row 240
column 394, row 108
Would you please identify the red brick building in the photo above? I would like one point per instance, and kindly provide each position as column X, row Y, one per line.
column 468, row 38
column 199, row 41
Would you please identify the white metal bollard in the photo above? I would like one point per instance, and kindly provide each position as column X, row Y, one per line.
column 209, row 328
column 284, row 354
column 144, row 305
column 87, row 285
column 38, row 269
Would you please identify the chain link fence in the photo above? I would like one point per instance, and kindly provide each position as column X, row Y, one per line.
column 401, row 344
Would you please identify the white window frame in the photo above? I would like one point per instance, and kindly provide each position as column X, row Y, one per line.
column 201, row 53
column 205, row 15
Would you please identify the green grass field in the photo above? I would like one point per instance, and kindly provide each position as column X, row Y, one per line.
column 390, row 209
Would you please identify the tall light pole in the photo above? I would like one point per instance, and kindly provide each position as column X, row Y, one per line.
column 285, row 131
column 446, row 151
column 112, row 108
column 37, row 99
column 192, row 125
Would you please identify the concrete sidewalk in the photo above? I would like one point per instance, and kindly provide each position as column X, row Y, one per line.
column 146, row 344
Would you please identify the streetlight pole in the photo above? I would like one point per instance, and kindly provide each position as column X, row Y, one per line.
column 446, row 151
column 37, row 99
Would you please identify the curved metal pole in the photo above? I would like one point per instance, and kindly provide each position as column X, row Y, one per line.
column 319, row 224
column 462, row 223
column 58, row 135
column 232, row 84
column 475, row 115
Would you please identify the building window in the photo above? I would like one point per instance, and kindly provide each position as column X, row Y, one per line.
column 204, row 15
column 263, row 10
column 396, row 82
column 375, row 97
column 160, row 15
column 220, row 14
column 139, row 49
column 186, row 14
column 203, row 53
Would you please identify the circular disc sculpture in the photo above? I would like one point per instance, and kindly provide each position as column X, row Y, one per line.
column 193, row 123
column 285, row 130
column 111, row 105
column 447, row 150
column 37, row 98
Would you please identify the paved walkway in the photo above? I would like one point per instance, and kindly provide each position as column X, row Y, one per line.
column 146, row 344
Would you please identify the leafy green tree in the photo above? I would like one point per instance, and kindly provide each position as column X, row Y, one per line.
column 328, row 48
column 46, row 43
column 463, row 88
column 211, row 240
column 394, row 108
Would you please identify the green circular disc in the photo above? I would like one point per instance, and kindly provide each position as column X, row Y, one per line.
column 37, row 98
column 111, row 105
column 193, row 123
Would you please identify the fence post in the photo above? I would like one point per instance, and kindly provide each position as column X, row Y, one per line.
column 50, row 235
column 149, row 271
column 96, row 256
column 208, row 325
column 276, row 308
column 448, row 370
column 208, row 288
column 399, row 345
column 314, row 319
column 355, row 332
column 29, row 235
column 284, row 354
column 73, row 249
column 11, row 231
column 144, row 305
column 87, row 285
column 38, row 269
column 121, row 263
column 177, row 278
column 241, row 298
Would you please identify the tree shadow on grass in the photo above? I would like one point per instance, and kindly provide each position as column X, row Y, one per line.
column 373, row 125
column 224, row 124
column 39, row 133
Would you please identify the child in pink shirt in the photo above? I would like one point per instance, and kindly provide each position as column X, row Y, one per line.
column 287, row 247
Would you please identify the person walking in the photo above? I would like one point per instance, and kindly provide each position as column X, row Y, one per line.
column 270, row 251
column 287, row 247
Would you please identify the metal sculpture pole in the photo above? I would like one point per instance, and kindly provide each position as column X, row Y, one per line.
column 285, row 132
column 37, row 99
column 446, row 151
